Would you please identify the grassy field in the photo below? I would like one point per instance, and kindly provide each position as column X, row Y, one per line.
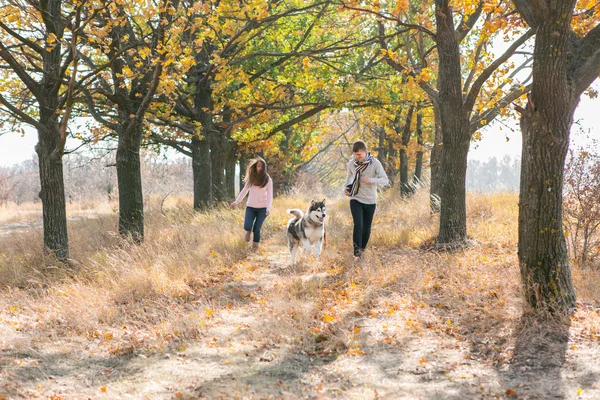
column 193, row 313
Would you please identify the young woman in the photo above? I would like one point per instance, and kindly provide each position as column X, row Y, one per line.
column 260, row 186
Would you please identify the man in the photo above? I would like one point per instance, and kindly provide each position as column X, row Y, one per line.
column 364, row 174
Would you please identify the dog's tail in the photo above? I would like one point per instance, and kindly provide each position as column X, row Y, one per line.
column 297, row 213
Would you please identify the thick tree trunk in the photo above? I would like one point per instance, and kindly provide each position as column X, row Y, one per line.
column 52, row 192
column 50, row 145
column 435, row 185
column 202, row 154
column 129, row 178
column 419, row 156
column 545, row 125
column 453, row 213
column 543, row 254
column 455, row 131
column 202, row 173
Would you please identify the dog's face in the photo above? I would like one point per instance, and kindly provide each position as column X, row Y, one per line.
column 316, row 210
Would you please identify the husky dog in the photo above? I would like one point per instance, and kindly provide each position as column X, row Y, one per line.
column 307, row 229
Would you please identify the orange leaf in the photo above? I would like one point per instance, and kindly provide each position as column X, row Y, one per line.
column 328, row 318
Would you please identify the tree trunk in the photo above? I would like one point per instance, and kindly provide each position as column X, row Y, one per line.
column 202, row 173
column 419, row 156
column 218, row 158
column 545, row 125
column 390, row 165
column 230, row 174
column 243, row 162
column 129, row 179
column 453, row 213
column 52, row 192
column 50, row 144
column 405, row 187
column 455, row 131
column 435, row 184
column 543, row 252
column 381, row 150
column 202, row 155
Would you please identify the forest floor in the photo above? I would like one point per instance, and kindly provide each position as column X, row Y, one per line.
column 192, row 313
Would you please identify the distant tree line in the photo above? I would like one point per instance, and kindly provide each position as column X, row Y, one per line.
column 493, row 175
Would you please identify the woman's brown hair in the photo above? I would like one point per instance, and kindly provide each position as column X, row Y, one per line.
column 253, row 177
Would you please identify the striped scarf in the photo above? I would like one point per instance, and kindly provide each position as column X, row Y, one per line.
column 359, row 168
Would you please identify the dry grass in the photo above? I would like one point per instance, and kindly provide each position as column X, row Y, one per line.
column 193, row 270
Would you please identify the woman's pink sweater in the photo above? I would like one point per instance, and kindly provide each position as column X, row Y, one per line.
column 260, row 197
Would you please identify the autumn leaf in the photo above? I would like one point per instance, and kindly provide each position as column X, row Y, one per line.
column 328, row 318
column 355, row 351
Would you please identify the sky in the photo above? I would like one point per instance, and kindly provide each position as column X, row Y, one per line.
column 15, row 149
column 586, row 124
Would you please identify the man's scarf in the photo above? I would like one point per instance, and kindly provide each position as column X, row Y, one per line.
column 359, row 167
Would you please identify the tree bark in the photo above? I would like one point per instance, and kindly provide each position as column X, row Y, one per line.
column 435, row 184
column 390, row 165
column 52, row 194
column 230, row 174
column 419, row 156
column 202, row 166
column 218, row 155
column 129, row 178
column 243, row 163
column 545, row 125
column 405, row 186
column 381, row 150
column 51, row 143
column 456, row 134
column 202, row 173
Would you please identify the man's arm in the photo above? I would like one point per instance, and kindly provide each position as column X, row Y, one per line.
column 381, row 177
column 349, row 176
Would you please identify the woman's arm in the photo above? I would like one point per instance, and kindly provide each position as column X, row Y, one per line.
column 242, row 194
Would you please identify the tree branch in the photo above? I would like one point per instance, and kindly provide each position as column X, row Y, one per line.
column 22, row 74
column 490, row 114
column 294, row 121
column 21, row 115
column 34, row 46
column 465, row 26
column 483, row 77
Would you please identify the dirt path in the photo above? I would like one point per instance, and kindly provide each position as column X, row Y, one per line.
column 238, row 357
